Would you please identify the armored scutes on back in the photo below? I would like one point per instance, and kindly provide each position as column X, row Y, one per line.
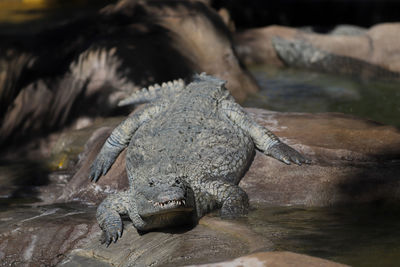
column 187, row 151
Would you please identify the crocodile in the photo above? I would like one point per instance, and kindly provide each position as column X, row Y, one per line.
column 187, row 150
column 302, row 54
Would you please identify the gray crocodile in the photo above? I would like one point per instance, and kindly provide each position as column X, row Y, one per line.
column 186, row 153
column 302, row 54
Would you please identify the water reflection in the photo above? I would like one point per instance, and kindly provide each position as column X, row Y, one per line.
column 364, row 235
column 304, row 91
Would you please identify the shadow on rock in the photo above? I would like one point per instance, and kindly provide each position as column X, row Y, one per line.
column 353, row 161
column 371, row 183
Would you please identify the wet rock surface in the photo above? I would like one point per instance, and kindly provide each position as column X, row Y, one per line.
column 68, row 234
column 42, row 236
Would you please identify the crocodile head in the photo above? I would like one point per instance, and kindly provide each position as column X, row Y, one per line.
column 165, row 201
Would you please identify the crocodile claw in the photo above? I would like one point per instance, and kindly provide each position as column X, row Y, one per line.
column 286, row 154
column 100, row 167
column 111, row 235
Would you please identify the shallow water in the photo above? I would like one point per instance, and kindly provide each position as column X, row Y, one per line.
column 305, row 91
column 357, row 235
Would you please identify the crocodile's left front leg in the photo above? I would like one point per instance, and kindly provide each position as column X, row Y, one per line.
column 231, row 198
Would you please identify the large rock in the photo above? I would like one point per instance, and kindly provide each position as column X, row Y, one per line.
column 173, row 247
column 41, row 236
column 83, row 68
column 68, row 233
column 372, row 54
column 200, row 35
column 353, row 161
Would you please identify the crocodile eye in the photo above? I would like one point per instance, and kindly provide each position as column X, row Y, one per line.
column 151, row 184
column 177, row 181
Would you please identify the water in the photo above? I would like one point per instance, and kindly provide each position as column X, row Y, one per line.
column 305, row 91
column 357, row 235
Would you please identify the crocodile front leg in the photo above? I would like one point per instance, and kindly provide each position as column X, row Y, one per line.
column 231, row 198
column 118, row 140
column 263, row 139
column 109, row 219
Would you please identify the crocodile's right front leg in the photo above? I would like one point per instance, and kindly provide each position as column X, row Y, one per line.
column 109, row 219
column 118, row 140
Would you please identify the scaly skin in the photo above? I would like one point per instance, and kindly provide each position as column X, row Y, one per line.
column 187, row 152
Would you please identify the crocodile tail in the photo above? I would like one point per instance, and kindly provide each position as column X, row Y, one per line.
column 153, row 92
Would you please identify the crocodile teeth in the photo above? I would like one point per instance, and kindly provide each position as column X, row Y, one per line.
column 170, row 83
column 163, row 84
column 170, row 202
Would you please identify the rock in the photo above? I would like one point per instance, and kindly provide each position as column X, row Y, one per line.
column 350, row 30
column 172, row 247
column 41, row 236
column 68, row 234
column 254, row 46
column 353, row 161
column 91, row 63
column 201, row 36
column 376, row 47
column 275, row 259
column 80, row 187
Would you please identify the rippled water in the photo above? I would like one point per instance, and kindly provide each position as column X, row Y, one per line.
column 304, row 91
column 357, row 235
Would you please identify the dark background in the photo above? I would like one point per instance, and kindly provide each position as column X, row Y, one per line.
column 325, row 14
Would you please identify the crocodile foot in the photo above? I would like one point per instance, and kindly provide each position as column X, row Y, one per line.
column 286, row 154
column 235, row 207
column 112, row 230
column 100, row 166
